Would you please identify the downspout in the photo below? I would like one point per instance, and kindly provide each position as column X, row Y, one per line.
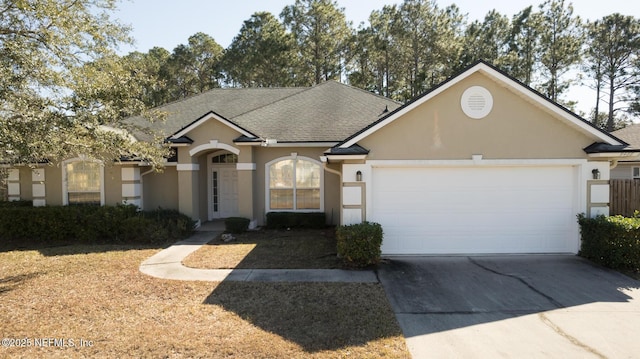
column 613, row 164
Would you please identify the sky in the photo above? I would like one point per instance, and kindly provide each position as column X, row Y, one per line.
column 170, row 23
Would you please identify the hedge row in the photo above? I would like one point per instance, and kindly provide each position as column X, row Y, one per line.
column 359, row 244
column 613, row 241
column 284, row 220
column 26, row 226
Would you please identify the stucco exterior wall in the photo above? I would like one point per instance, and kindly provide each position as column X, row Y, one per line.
column 514, row 129
column 112, row 185
column 160, row 189
column 53, row 185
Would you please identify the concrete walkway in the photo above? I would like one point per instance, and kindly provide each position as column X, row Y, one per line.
column 167, row 264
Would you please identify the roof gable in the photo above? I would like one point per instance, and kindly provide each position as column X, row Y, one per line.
column 207, row 117
column 503, row 79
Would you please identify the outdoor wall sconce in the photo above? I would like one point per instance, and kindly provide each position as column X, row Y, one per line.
column 596, row 173
column 359, row 176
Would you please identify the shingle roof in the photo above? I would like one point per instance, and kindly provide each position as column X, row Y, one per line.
column 630, row 135
column 229, row 102
column 330, row 111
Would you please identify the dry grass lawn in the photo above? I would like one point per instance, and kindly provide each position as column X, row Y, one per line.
column 97, row 294
column 269, row 249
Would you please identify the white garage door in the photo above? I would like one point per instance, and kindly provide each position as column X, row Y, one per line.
column 476, row 210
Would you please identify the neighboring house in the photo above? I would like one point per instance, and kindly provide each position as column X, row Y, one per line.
column 480, row 164
column 628, row 168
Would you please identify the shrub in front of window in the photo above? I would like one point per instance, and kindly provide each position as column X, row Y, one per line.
column 236, row 225
column 359, row 244
column 286, row 220
column 61, row 225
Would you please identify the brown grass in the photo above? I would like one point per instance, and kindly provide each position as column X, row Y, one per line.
column 97, row 294
column 269, row 249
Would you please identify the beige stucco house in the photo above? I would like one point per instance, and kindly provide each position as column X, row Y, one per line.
column 480, row 164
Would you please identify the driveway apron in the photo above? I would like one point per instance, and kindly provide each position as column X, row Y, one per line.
column 513, row 306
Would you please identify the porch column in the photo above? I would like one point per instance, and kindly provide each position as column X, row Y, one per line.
column 188, row 190
column 246, row 176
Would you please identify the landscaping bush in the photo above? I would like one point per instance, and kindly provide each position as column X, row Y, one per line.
column 29, row 226
column 282, row 220
column 16, row 203
column 359, row 244
column 236, row 224
column 613, row 241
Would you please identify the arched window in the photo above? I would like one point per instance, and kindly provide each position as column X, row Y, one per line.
column 225, row 158
column 83, row 182
column 294, row 184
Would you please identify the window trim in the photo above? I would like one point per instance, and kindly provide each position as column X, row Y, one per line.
column 267, row 189
column 65, row 182
column 633, row 170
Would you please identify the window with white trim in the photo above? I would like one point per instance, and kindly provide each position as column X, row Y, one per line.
column 635, row 172
column 294, row 184
column 83, row 183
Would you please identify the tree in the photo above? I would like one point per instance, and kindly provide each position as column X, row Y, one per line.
column 321, row 32
column 374, row 59
column 560, row 46
column 193, row 68
column 155, row 92
column 429, row 44
column 614, row 44
column 487, row 40
column 261, row 54
column 62, row 88
column 523, row 45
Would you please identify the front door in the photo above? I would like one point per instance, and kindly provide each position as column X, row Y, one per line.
column 223, row 189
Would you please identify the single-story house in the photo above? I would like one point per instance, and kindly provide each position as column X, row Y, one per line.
column 629, row 167
column 479, row 164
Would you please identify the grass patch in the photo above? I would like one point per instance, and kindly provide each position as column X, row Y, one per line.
column 97, row 294
column 270, row 249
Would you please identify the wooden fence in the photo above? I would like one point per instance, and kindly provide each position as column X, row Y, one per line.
column 624, row 197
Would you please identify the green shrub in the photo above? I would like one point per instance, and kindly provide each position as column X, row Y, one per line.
column 613, row 241
column 21, row 203
column 236, row 224
column 35, row 226
column 359, row 244
column 282, row 220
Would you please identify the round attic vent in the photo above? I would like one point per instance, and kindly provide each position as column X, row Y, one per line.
column 476, row 102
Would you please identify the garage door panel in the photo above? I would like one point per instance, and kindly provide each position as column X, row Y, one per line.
column 475, row 210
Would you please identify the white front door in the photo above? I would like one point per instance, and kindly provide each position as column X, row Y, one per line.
column 223, row 191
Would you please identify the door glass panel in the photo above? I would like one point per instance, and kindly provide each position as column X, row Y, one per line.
column 215, row 191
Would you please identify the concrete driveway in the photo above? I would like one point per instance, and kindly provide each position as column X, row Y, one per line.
column 513, row 306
